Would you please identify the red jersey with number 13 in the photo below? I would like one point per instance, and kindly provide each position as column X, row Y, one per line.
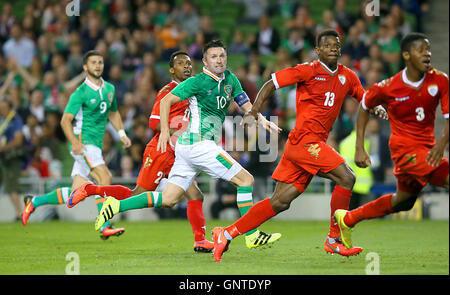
column 320, row 94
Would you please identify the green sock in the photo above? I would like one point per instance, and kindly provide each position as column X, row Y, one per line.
column 245, row 202
column 99, row 202
column 144, row 200
column 56, row 197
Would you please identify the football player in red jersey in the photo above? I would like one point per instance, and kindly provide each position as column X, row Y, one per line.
column 411, row 97
column 156, row 165
column 322, row 87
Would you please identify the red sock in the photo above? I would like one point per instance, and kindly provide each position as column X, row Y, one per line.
column 257, row 214
column 340, row 199
column 377, row 208
column 118, row 192
column 196, row 219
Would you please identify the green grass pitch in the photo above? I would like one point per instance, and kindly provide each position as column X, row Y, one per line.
column 165, row 248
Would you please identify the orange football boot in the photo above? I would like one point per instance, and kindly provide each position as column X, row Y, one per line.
column 29, row 208
column 334, row 245
column 203, row 246
column 111, row 231
column 78, row 194
column 220, row 243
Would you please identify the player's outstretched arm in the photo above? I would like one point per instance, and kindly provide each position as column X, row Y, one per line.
column 362, row 159
column 268, row 125
column 252, row 111
column 116, row 121
column 164, row 110
column 264, row 93
column 249, row 119
column 437, row 152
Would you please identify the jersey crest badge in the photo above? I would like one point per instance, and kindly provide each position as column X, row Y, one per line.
column 342, row 79
column 110, row 97
column 433, row 90
column 228, row 89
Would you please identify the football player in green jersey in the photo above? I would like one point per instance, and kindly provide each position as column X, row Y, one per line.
column 209, row 93
column 91, row 105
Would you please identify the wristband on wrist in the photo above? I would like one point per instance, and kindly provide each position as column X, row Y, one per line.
column 121, row 133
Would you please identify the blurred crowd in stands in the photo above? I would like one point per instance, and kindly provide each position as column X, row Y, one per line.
column 42, row 48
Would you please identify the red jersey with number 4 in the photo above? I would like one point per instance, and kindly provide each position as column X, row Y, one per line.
column 178, row 116
column 411, row 106
column 320, row 94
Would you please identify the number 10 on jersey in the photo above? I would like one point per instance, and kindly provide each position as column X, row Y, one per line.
column 221, row 102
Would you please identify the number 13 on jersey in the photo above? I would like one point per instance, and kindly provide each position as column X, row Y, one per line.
column 329, row 99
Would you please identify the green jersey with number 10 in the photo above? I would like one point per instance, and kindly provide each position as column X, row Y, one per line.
column 209, row 98
column 90, row 104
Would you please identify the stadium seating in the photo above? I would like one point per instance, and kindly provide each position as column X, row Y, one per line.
column 236, row 60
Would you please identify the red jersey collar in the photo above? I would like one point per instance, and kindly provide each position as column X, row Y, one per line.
column 327, row 69
column 415, row 85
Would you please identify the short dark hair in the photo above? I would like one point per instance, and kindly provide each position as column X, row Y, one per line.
column 173, row 55
column 405, row 44
column 90, row 53
column 213, row 44
column 328, row 32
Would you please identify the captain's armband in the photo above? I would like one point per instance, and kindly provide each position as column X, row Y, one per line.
column 242, row 99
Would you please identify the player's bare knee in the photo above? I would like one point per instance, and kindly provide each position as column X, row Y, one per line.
column 171, row 196
column 279, row 205
column 246, row 179
column 348, row 180
column 169, row 202
column 194, row 196
column 243, row 178
column 108, row 177
column 193, row 193
column 352, row 178
column 249, row 180
column 102, row 176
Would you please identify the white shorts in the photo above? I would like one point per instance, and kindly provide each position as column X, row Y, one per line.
column 204, row 156
column 161, row 185
column 91, row 158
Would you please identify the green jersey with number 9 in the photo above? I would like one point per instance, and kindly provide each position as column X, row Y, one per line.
column 209, row 98
column 90, row 104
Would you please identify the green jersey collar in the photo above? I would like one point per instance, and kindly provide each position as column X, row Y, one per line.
column 94, row 86
column 209, row 73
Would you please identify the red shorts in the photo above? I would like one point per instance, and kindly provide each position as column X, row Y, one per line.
column 300, row 162
column 155, row 166
column 413, row 172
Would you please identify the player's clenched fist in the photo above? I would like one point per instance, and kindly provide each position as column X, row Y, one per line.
column 362, row 159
